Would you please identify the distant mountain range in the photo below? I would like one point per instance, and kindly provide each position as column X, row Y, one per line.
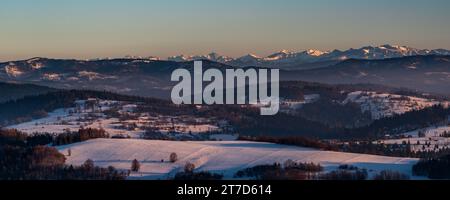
column 290, row 60
column 393, row 66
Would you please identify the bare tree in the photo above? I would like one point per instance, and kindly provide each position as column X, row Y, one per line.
column 135, row 165
column 189, row 167
column 173, row 157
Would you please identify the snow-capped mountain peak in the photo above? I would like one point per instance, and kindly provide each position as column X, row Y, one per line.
column 249, row 57
column 213, row 56
column 286, row 57
column 279, row 55
column 252, row 55
column 314, row 52
column 284, row 51
column 179, row 58
column 397, row 48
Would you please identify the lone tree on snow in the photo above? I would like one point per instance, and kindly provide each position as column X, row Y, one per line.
column 189, row 167
column 173, row 157
column 135, row 165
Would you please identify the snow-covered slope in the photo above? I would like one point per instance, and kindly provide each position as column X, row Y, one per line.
column 225, row 157
column 385, row 104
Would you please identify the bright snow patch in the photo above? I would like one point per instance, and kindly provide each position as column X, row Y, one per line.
column 13, row 70
column 94, row 75
column 51, row 77
column 384, row 104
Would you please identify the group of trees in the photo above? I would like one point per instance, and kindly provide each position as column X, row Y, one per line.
column 190, row 174
column 395, row 150
column 344, row 174
column 290, row 170
column 434, row 168
column 22, row 157
column 310, row 171
column 291, row 140
column 445, row 134
column 136, row 165
column 369, row 147
column 204, row 176
column 79, row 136
column 12, row 136
column 390, row 175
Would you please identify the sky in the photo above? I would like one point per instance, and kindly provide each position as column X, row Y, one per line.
column 115, row 28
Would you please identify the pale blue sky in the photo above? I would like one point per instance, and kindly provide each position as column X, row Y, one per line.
column 114, row 28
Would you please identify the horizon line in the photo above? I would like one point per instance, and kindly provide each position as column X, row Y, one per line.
column 24, row 58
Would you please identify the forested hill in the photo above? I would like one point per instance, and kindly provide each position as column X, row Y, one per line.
column 11, row 91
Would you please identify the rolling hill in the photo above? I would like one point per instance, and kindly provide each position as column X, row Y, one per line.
column 220, row 157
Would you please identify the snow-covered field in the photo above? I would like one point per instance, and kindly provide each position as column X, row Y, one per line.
column 225, row 157
column 384, row 104
column 51, row 123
